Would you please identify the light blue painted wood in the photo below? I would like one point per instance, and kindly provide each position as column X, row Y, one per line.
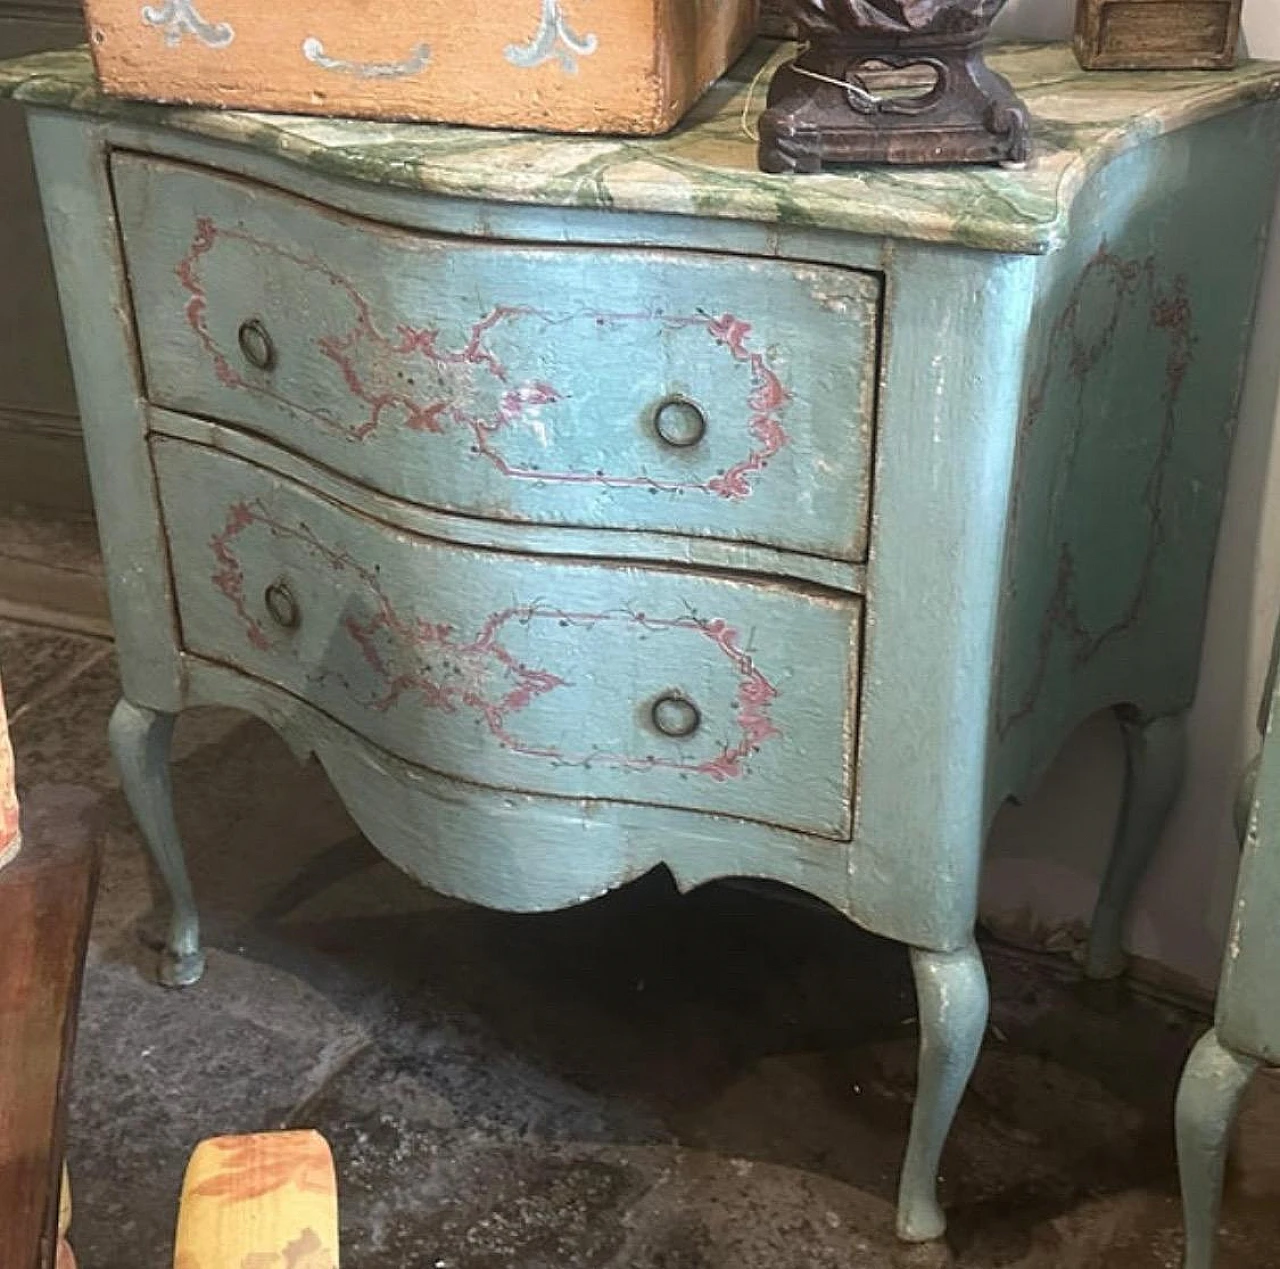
column 696, row 552
column 514, row 671
column 481, row 378
column 951, row 989
column 1141, row 326
column 1209, row 1096
column 141, row 742
column 1246, row 1031
column 1028, row 410
column 1248, row 1016
column 70, row 157
column 954, row 344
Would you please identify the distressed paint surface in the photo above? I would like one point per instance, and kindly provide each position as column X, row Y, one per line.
column 1246, row 1031
column 477, row 378
column 265, row 1201
column 708, row 167
column 510, row 759
column 1124, row 438
column 514, row 671
column 1248, row 1018
column 618, row 66
column 519, row 852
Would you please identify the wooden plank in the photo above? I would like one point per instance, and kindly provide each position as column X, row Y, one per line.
column 46, row 898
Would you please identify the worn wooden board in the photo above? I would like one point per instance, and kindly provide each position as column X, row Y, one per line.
column 517, row 671
column 630, row 66
column 482, row 377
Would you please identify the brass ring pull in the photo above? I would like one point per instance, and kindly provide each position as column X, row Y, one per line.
column 282, row 606
column 256, row 344
column 679, row 422
column 675, row 715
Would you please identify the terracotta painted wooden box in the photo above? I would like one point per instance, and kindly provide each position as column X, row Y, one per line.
column 624, row 66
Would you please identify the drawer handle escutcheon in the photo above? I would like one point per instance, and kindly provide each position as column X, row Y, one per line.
column 256, row 344
column 679, row 423
column 675, row 716
column 282, row 606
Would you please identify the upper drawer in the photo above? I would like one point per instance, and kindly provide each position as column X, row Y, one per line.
column 679, row 392
column 653, row 685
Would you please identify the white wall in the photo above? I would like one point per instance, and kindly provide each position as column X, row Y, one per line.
column 1046, row 858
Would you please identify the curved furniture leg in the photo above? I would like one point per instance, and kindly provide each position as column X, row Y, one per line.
column 140, row 742
column 951, row 995
column 1155, row 759
column 1208, row 1099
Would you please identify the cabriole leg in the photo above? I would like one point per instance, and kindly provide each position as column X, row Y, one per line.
column 951, row 996
column 1208, row 1100
column 140, row 742
column 1155, row 759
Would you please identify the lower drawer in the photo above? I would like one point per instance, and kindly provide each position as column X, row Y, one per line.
column 584, row 680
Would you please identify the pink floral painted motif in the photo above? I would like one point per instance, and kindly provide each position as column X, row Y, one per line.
column 8, row 792
column 412, row 657
column 408, row 378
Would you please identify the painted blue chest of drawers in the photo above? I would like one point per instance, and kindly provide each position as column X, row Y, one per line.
column 586, row 506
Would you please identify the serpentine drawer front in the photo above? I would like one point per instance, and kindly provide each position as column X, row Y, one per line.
column 579, row 680
column 527, row 483
column 479, row 377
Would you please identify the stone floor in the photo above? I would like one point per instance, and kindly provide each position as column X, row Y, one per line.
column 715, row 1081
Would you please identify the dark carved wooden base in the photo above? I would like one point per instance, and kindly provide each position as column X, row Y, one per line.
column 969, row 115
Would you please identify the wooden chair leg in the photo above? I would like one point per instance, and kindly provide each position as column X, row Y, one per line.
column 268, row 1200
column 46, row 899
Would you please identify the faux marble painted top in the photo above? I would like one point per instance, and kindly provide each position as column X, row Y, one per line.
column 706, row 167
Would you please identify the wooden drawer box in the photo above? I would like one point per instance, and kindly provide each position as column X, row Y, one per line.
column 464, row 663
column 627, row 66
column 1157, row 34
column 702, row 397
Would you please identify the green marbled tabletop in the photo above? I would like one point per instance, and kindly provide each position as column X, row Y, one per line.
column 707, row 165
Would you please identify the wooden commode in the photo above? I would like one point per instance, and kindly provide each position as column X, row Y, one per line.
column 586, row 506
